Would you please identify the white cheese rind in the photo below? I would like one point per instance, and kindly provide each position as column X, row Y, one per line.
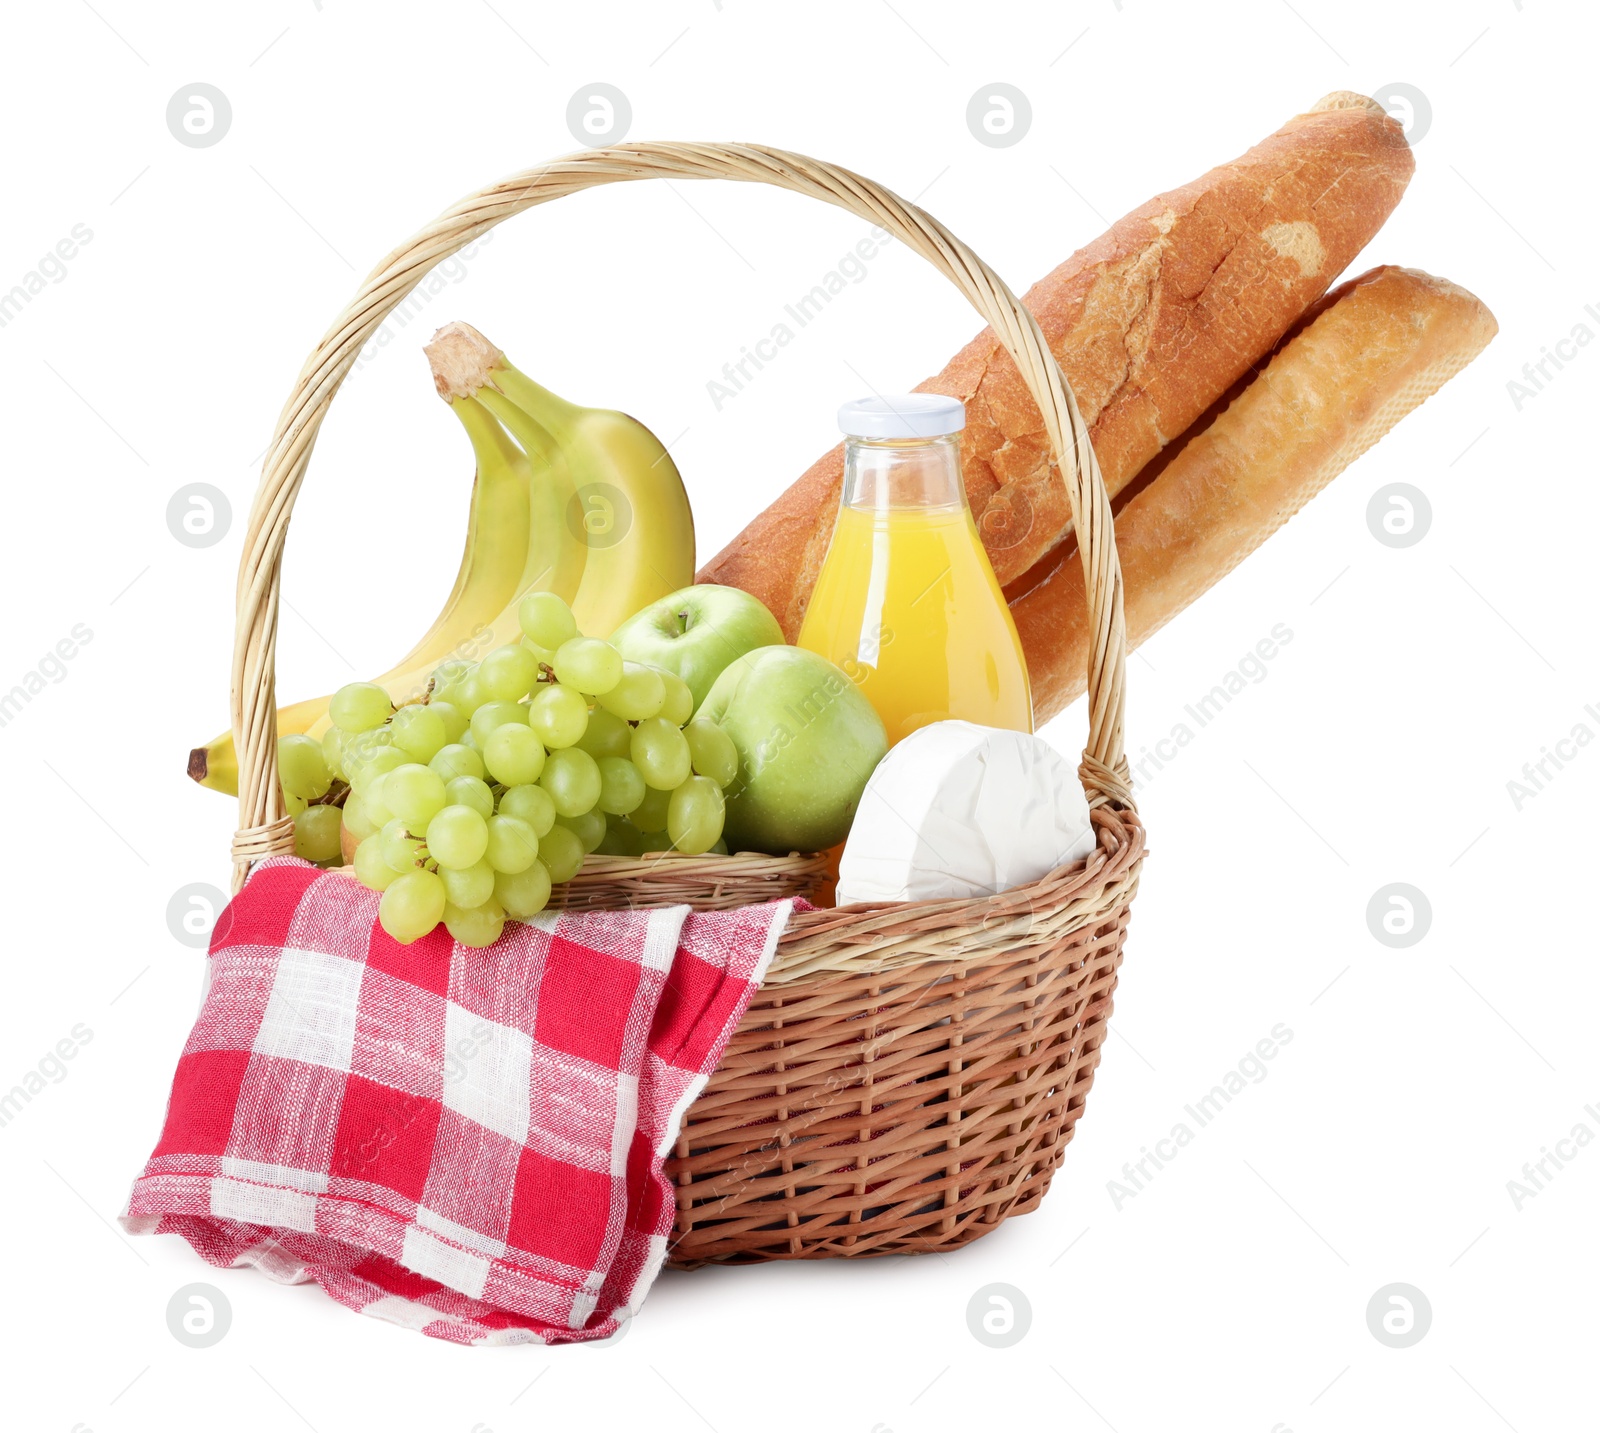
column 958, row 810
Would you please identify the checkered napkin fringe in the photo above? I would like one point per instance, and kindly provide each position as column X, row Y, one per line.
column 465, row 1142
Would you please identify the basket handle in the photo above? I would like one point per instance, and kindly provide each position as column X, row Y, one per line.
column 264, row 829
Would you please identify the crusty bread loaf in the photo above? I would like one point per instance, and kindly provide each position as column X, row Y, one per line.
column 1377, row 347
column 1152, row 323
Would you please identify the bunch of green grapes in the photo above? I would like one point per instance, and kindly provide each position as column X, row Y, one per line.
column 470, row 805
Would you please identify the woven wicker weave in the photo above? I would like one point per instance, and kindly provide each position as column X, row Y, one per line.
column 910, row 1074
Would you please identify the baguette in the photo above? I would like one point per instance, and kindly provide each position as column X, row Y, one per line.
column 1152, row 323
column 1375, row 349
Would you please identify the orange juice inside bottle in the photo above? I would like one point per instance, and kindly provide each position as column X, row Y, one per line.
column 906, row 601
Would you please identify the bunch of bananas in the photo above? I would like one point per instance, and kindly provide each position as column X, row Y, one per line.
column 584, row 503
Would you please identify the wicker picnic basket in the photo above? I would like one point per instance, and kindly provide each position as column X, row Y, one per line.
column 909, row 1075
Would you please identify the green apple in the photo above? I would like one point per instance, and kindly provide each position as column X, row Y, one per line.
column 696, row 632
column 807, row 740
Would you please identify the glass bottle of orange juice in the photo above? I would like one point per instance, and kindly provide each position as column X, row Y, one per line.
column 906, row 601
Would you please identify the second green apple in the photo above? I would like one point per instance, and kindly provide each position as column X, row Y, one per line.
column 807, row 742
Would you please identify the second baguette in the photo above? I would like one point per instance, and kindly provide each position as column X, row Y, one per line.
column 1380, row 345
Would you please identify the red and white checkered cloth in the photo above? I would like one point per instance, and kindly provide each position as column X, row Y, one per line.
column 465, row 1142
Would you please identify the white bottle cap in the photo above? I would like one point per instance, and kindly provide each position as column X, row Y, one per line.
column 903, row 415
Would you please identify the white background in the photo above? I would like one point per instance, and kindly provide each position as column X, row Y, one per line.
column 1230, row 1293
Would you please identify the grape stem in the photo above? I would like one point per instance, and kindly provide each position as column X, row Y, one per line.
column 422, row 863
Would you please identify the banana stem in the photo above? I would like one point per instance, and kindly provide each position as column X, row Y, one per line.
column 468, row 365
column 465, row 364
